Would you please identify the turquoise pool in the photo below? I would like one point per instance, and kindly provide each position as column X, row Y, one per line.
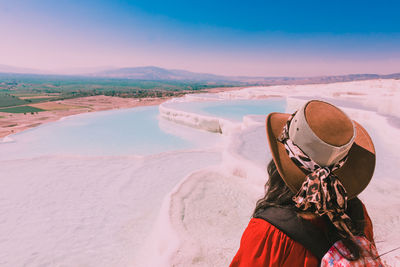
column 135, row 131
column 234, row 109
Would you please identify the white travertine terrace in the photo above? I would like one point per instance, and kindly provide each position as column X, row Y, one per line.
column 84, row 211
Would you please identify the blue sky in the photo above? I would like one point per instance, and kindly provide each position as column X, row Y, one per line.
column 268, row 38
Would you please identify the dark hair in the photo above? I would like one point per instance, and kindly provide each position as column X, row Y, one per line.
column 278, row 194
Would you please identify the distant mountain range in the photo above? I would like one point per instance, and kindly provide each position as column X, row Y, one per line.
column 156, row 73
column 161, row 74
column 12, row 69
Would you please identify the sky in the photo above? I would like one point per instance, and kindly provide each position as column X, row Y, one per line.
column 252, row 38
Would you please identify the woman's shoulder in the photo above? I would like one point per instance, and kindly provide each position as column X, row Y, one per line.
column 263, row 244
column 261, row 231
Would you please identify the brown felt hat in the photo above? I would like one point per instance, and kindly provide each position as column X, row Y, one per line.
column 326, row 134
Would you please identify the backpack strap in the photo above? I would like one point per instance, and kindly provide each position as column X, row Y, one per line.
column 303, row 231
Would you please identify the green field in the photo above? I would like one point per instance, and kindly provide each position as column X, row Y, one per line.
column 7, row 100
column 39, row 100
column 14, row 86
column 30, row 84
column 21, row 109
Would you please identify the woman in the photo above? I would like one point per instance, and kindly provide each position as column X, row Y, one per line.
column 310, row 214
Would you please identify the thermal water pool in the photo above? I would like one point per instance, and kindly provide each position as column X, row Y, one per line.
column 135, row 131
column 232, row 109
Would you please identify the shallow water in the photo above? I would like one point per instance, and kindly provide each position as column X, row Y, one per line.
column 234, row 109
column 137, row 131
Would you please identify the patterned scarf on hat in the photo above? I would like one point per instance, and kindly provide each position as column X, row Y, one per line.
column 322, row 192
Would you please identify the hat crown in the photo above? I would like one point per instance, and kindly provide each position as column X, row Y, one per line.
column 329, row 123
column 322, row 131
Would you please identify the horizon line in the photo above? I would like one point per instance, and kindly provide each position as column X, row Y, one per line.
column 33, row 71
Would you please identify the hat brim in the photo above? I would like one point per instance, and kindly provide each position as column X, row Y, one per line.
column 355, row 174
